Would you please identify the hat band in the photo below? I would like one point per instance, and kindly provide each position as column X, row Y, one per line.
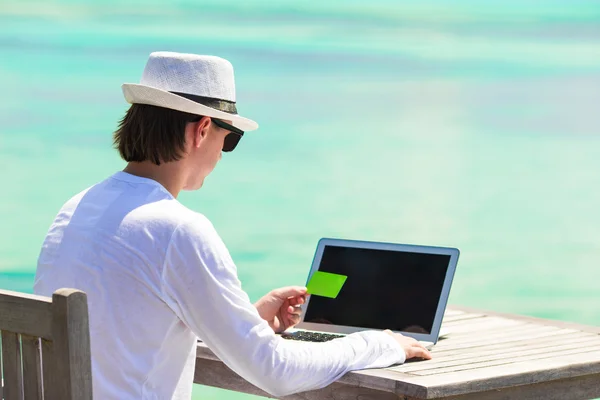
column 218, row 104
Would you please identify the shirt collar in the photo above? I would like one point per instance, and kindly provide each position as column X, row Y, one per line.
column 127, row 177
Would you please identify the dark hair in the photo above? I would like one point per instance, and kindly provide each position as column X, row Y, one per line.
column 151, row 133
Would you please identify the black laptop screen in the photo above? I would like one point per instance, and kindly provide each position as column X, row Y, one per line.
column 384, row 289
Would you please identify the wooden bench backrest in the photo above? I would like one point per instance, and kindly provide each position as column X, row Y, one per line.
column 45, row 346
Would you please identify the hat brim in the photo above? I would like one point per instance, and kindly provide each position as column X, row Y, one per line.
column 142, row 94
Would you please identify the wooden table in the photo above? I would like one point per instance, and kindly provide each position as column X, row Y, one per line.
column 485, row 356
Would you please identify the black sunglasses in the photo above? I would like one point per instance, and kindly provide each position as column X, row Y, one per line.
column 233, row 137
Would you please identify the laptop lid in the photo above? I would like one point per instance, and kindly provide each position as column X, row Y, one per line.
column 400, row 287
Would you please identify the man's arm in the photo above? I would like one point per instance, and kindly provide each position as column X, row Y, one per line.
column 200, row 284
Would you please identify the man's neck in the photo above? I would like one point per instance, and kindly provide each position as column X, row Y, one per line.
column 169, row 175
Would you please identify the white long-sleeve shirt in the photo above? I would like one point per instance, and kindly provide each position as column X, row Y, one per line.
column 158, row 277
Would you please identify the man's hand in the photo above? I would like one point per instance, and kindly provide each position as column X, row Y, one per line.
column 411, row 346
column 281, row 307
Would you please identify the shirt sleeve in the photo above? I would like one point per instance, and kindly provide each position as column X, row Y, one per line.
column 200, row 284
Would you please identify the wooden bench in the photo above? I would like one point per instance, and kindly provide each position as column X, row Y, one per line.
column 485, row 356
column 45, row 346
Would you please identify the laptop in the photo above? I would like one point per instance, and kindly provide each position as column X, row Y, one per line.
column 400, row 287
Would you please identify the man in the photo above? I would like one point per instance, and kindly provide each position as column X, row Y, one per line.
column 157, row 274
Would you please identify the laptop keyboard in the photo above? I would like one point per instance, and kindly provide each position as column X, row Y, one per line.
column 310, row 336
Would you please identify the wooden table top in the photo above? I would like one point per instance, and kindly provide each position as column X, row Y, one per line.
column 483, row 356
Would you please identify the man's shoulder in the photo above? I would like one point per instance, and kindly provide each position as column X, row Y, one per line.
column 187, row 227
column 169, row 213
column 132, row 210
column 194, row 225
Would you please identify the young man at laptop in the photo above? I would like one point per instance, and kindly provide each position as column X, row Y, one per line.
column 157, row 274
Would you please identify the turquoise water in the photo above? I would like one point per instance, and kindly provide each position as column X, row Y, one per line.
column 468, row 124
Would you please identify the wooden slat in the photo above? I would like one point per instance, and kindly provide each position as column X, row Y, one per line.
column 450, row 312
column 502, row 376
column 488, row 336
column 462, row 332
column 495, row 339
column 1, row 371
column 48, row 378
column 509, row 356
column 32, row 376
column 216, row 374
column 377, row 378
column 515, row 346
column 490, row 330
column 490, row 339
column 71, row 334
column 203, row 352
column 463, row 320
column 461, row 317
column 584, row 387
column 589, row 340
column 13, row 378
column 536, row 320
column 368, row 379
column 25, row 314
column 511, row 361
column 575, row 360
column 483, row 324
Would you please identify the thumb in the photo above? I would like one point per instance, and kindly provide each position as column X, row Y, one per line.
column 290, row 291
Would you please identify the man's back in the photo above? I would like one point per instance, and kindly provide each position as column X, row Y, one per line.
column 158, row 275
column 110, row 241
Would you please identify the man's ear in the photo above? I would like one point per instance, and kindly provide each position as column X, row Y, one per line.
column 199, row 131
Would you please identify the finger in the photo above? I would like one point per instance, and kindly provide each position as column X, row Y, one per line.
column 419, row 352
column 419, row 344
column 295, row 310
column 290, row 291
column 293, row 301
column 297, row 300
column 294, row 319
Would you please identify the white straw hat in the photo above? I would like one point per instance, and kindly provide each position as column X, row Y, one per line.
column 196, row 84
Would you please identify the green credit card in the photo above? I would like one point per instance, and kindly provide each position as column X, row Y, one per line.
column 325, row 284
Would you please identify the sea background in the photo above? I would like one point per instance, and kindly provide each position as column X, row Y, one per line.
column 457, row 123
